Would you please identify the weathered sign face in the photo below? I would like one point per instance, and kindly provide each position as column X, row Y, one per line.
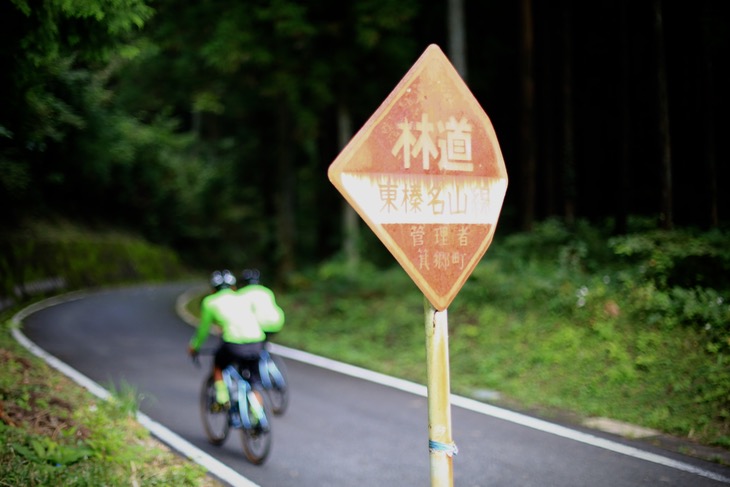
column 427, row 175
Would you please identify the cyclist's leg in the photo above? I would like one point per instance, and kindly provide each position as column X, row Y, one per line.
column 223, row 358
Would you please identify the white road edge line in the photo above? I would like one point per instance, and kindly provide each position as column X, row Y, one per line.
column 494, row 411
column 162, row 433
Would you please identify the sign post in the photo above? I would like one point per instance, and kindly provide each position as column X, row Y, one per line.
column 427, row 175
column 441, row 446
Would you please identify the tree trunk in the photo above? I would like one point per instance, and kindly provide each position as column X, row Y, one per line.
column 569, row 176
column 350, row 219
column 709, row 123
column 285, row 224
column 527, row 130
column 547, row 106
column 666, row 216
column 622, row 197
column 457, row 35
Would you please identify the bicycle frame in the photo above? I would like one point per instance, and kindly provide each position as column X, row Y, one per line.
column 243, row 388
column 268, row 369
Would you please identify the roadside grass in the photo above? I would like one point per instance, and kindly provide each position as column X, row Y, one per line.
column 558, row 322
column 56, row 433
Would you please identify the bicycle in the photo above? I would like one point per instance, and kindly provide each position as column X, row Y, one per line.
column 274, row 380
column 248, row 411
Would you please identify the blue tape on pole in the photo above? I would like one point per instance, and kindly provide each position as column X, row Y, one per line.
column 449, row 448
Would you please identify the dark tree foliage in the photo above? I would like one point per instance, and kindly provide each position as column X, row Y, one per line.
column 209, row 126
column 51, row 53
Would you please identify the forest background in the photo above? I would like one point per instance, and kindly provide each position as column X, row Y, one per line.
column 208, row 127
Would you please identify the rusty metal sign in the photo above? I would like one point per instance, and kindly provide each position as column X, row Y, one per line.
column 427, row 175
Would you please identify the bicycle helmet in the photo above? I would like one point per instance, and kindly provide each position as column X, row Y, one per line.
column 222, row 279
column 251, row 276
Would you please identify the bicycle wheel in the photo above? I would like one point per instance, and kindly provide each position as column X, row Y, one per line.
column 215, row 417
column 279, row 390
column 257, row 439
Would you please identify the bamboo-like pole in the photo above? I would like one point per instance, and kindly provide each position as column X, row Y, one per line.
column 441, row 446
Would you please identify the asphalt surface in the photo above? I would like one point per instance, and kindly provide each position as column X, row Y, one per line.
column 338, row 430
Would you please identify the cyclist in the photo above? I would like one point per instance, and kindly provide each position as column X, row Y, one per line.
column 244, row 318
column 263, row 299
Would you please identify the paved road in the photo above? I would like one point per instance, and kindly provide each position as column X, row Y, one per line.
column 339, row 430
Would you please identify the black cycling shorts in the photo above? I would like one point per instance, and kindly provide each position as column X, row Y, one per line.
column 246, row 354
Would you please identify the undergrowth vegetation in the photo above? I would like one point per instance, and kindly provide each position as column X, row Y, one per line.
column 80, row 257
column 53, row 431
column 56, row 433
column 635, row 328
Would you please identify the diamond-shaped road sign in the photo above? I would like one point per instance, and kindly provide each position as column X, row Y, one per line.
column 426, row 174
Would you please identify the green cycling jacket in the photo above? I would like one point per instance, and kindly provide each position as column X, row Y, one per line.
column 245, row 316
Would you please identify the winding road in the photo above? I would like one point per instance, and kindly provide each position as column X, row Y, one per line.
column 340, row 429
